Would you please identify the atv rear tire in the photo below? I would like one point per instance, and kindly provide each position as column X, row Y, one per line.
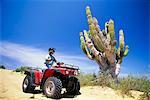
column 73, row 86
column 52, row 88
column 27, row 85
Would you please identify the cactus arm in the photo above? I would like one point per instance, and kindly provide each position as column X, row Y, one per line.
column 121, row 39
column 122, row 43
column 84, row 47
column 89, row 44
column 97, row 39
column 126, row 51
column 94, row 29
column 111, row 29
column 82, row 43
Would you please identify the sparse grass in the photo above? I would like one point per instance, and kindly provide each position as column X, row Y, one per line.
column 141, row 84
column 144, row 96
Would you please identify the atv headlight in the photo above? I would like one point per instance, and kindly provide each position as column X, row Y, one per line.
column 75, row 72
column 67, row 72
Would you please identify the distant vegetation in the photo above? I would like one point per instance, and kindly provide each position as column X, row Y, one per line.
column 125, row 84
column 2, row 67
column 21, row 69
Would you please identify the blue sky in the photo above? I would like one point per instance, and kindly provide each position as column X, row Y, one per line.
column 30, row 27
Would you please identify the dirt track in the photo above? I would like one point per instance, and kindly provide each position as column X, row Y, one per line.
column 10, row 89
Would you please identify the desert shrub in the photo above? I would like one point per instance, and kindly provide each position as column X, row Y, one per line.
column 86, row 79
column 90, row 79
column 105, row 79
column 128, row 83
column 2, row 67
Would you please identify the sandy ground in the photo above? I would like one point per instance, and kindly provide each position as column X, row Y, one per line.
column 11, row 89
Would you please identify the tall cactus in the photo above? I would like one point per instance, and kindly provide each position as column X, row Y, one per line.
column 100, row 45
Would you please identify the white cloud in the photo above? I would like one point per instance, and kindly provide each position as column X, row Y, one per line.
column 23, row 54
column 31, row 56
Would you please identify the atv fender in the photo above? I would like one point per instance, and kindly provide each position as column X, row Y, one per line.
column 49, row 73
column 31, row 74
column 27, row 73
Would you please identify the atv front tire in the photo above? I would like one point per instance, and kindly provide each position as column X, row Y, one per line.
column 52, row 88
column 27, row 85
column 73, row 86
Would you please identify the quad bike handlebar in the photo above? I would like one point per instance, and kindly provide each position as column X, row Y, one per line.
column 60, row 63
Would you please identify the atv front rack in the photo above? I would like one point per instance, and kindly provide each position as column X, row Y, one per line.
column 69, row 66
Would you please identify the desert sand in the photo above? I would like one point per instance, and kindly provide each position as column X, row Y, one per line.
column 11, row 89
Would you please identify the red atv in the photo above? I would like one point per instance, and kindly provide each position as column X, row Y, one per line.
column 51, row 81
